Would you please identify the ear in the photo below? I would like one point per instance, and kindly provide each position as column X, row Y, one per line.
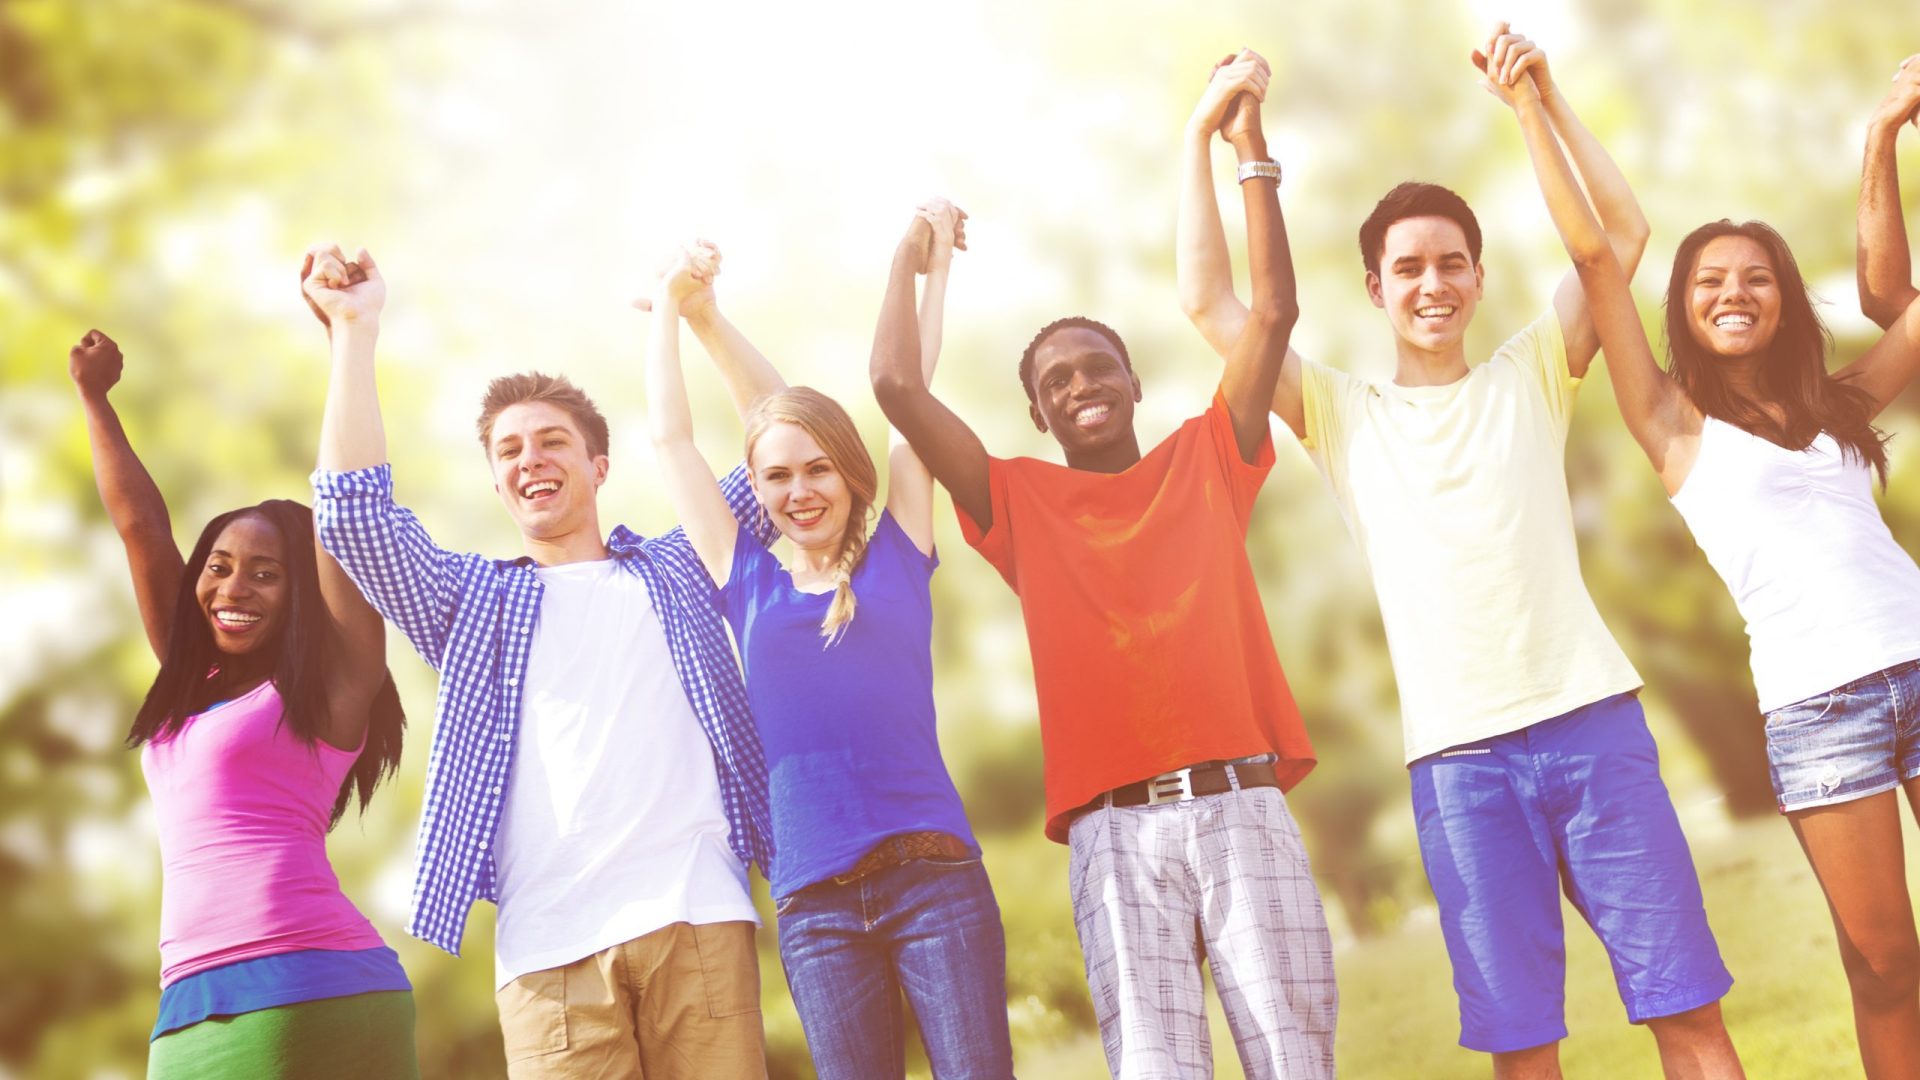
column 1135, row 380
column 600, row 464
column 1479, row 281
column 1373, row 290
column 1039, row 422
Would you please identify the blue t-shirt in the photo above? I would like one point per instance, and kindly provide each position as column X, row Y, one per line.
column 268, row 982
column 848, row 730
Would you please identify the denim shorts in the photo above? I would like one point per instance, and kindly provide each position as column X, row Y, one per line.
column 1848, row 743
column 1574, row 803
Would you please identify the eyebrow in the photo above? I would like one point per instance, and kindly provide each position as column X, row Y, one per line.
column 252, row 558
column 548, row 430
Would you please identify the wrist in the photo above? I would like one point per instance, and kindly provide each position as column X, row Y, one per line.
column 1250, row 147
column 366, row 328
column 1885, row 126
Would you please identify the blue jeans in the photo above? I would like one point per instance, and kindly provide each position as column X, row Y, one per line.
column 928, row 927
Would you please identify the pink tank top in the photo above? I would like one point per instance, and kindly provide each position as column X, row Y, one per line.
column 241, row 806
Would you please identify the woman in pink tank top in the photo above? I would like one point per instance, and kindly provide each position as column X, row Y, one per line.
column 272, row 710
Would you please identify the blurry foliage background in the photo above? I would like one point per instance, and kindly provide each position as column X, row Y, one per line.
column 517, row 169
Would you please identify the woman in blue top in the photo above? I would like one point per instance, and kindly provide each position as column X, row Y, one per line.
column 876, row 875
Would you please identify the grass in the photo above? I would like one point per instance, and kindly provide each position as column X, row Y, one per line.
column 1788, row 1011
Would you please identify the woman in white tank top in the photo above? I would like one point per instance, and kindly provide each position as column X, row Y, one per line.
column 1772, row 461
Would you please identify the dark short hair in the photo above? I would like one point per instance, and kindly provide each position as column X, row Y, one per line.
column 552, row 389
column 1071, row 322
column 1412, row 199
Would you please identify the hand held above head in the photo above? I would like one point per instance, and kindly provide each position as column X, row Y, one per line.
column 1504, row 59
column 1901, row 105
column 341, row 291
column 94, row 364
column 696, row 301
column 1236, row 85
column 917, row 245
column 949, row 224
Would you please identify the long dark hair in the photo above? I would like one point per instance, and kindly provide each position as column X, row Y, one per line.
column 296, row 661
column 1793, row 370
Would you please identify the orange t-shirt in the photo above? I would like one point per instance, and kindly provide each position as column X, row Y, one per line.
column 1150, row 645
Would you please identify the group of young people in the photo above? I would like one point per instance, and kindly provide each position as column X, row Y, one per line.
column 605, row 771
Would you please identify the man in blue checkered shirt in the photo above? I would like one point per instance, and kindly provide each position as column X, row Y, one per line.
column 595, row 770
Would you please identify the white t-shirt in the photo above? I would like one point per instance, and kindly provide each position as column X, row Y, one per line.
column 1457, row 496
column 612, row 824
column 1827, row 593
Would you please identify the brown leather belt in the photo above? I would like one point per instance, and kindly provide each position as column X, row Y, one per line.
column 1192, row 782
column 904, row 848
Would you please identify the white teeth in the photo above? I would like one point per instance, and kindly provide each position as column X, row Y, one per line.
column 1092, row 414
column 539, row 487
column 1734, row 320
column 236, row 618
column 1434, row 310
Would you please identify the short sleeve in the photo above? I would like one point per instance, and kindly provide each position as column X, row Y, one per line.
column 892, row 540
column 1331, row 401
column 1540, row 353
column 1244, row 478
column 750, row 564
column 995, row 544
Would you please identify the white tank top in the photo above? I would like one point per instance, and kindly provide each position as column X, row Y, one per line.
column 1827, row 594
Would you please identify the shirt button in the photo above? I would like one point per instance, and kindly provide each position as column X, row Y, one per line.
column 506, row 736
column 513, row 680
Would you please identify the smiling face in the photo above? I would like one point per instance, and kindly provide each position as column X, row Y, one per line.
column 801, row 487
column 1083, row 392
column 243, row 587
column 543, row 472
column 1428, row 283
column 1733, row 302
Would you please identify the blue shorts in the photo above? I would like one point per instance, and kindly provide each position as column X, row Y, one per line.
column 1851, row 742
column 1573, row 803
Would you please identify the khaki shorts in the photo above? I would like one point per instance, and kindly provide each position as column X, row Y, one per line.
column 680, row 1002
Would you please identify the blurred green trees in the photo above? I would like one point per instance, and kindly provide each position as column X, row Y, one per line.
column 163, row 162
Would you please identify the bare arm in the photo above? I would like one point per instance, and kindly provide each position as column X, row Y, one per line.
column 1884, row 264
column 1661, row 418
column 690, row 482
column 749, row 375
column 1509, row 55
column 1257, row 355
column 1203, row 271
column 909, row 484
column 950, row 449
column 348, row 297
column 132, row 499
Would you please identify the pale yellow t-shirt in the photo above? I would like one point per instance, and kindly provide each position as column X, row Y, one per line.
column 1457, row 496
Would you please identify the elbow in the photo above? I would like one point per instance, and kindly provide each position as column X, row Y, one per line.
column 1274, row 315
column 892, row 385
column 1591, row 254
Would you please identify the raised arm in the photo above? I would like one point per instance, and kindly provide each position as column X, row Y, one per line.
column 347, row 297
column 1257, row 355
column 909, row 484
column 745, row 369
column 1203, row 271
column 703, row 510
column 1884, row 264
column 1656, row 410
column 133, row 501
column 950, row 449
column 1508, row 55
column 1887, row 292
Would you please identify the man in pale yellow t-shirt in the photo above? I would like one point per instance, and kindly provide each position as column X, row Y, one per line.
column 1530, row 758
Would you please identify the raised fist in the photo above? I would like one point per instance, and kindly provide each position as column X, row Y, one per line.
column 341, row 290
column 94, row 364
column 917, row 245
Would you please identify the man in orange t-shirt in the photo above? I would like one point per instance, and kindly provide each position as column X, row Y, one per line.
column 1168, row 727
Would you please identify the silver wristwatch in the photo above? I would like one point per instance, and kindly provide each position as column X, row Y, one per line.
column 1251, row 169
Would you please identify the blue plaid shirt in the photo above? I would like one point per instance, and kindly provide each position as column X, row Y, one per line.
column 472, row 618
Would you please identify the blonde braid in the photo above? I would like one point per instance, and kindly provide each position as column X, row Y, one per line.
column 853, row 547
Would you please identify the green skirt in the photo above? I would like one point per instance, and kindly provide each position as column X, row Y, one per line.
column 360, row 1035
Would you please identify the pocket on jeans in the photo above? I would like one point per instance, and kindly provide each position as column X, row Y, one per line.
column 533, row 1013
column 1813, row 710
column 729, row 967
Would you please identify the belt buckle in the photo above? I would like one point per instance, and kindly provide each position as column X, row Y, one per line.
column 1175, row 786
